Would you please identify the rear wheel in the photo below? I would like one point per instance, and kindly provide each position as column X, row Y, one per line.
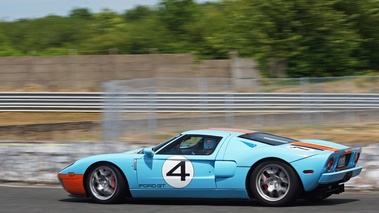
column 105, row 184
column 274, row 183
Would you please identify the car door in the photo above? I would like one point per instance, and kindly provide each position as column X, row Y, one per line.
column 181, row 169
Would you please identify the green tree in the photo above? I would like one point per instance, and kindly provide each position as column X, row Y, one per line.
column 309, row 36
column 209, row 34
column 81, row 13
column 177, row 16
column 51, row 32
column 138, row 13
column 108, row 31
column 149, row 35
column 6, row 49
column 364, row 16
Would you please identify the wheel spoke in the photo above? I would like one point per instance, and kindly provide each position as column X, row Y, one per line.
column 275, row 171
column 108, row 190
column 282, row 190
column 96, row 177
column 270, row 171
column 264, row 178
column 103, row 172
column 283, row 177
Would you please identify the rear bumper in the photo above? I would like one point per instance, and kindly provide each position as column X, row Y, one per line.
column 72, row 183
column 340, row 176
column 324, row 191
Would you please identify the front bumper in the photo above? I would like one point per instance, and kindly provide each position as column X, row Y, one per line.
column 340, row 176
column 72, row 183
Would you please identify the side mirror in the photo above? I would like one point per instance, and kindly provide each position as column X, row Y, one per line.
column 148, row 152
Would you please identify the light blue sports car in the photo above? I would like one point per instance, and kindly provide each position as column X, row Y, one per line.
column 217, row 163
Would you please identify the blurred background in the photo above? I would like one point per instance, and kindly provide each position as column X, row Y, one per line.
column 142, row 71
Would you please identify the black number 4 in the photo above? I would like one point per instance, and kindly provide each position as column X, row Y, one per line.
column 182, row 174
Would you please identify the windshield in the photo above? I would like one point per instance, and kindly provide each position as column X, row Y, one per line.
column 159, row 146
column 266, row 138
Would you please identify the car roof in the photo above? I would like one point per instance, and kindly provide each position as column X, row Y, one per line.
column 221, row 132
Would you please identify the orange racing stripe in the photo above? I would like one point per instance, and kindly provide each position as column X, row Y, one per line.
column 231, row 130
column 315, row 146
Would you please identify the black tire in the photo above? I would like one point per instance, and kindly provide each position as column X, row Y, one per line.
column 105, row 184
column 274, row 183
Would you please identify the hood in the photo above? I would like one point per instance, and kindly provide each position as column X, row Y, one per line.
column 134, row 151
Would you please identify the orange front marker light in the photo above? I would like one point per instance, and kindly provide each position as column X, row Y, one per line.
column 71, row 174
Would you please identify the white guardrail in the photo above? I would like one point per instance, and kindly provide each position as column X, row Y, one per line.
column 185, row 102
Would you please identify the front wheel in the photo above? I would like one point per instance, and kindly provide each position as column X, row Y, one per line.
column 274, row 183
column 105, row 184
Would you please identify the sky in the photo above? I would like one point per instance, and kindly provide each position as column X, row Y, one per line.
column 11, row 10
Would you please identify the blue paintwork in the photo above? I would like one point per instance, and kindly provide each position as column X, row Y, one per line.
column 224, row 173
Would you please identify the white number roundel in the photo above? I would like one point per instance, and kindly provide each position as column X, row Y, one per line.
column 177, row 171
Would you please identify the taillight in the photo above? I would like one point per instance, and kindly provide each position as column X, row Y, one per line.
column 330, row 164
column 357, row 157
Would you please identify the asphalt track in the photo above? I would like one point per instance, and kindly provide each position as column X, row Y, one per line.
column 31, row 199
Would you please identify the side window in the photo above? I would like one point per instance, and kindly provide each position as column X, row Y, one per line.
column 190, row 142
column 192, row 145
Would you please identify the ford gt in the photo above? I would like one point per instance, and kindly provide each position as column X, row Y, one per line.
column 217, row 163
